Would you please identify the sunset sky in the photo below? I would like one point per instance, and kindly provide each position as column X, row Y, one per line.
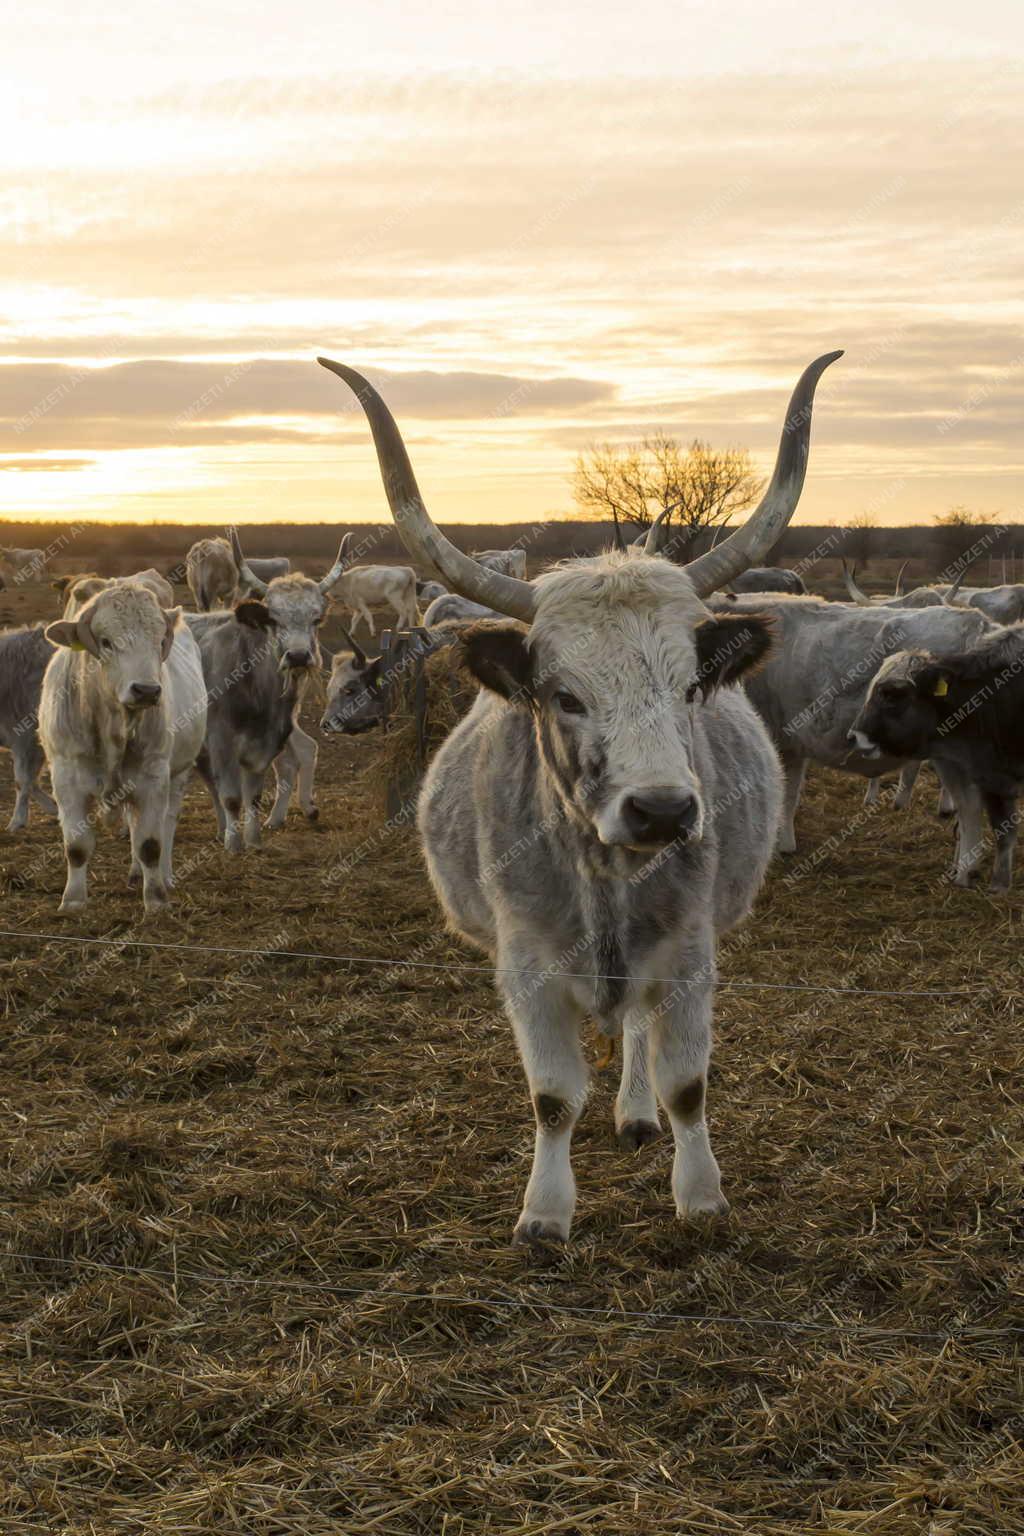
column 537, row 228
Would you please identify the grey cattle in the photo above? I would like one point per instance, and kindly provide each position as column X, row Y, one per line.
column 211, row 574
column 591, row 825
column 121, row 719
column 511, row 561
column 428, row 592
column 24, row 657
column 256, row 661
column 266, row 570
column 768, row 578
column 811, row 687
column 453, row 608
column 918, row 597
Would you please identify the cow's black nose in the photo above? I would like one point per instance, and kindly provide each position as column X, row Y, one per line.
column 660, row 816
column 146, row 693
column 298, row 659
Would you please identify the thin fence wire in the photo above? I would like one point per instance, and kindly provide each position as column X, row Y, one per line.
column 652, row 1319
column 384, row 962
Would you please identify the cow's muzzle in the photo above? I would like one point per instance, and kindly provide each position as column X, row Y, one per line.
column 655, row 817
column 144, row 695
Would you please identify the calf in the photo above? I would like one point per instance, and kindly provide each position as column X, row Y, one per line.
column 256, row 662
column 24, row 657
column 211, row 574
column 122, row 716
column 959, row 708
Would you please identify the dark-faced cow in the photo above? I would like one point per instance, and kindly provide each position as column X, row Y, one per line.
column 256, row 661
column 608, row 806
column 961, row 708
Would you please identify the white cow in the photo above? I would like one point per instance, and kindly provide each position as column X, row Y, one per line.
column 122, row 719
column 511, row 561
column 363, row 586
column 76, row 591
column 24, row 564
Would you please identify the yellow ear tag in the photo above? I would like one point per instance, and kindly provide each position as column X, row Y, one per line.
column 941, row 688
column 76, row 645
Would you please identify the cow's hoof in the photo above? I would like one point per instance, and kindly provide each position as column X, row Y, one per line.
column 134, row 878
column 536, row 1232
column 638, row 1133
column 965, row 880
column 786, row 845
column 998, row 886
column 313, row 814
column 703, row 1205
column 71, row 906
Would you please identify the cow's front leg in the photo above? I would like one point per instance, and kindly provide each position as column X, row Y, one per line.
column 286, row 771
column 147, row 818
column 547, row 1024
column 305, row 750
column 76, row 787
column 252, row 787
column 681, row 1049
column 636, row 1109
column 970, row 838
column 908, row 778
column 175, row 795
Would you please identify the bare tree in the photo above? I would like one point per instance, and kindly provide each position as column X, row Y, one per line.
column 860, row 539
column 633, row 484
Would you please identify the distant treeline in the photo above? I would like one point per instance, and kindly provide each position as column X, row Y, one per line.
column 126, row 546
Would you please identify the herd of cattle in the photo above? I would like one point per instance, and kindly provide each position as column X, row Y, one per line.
column 611, row 801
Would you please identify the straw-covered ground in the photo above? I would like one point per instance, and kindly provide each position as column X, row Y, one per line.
column 257, row 1271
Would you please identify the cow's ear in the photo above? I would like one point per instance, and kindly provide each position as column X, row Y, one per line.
column 727, row 647
column 64, row 632
column 932, row 682
column 498, row 656
column 171, row 616
column 253, row 613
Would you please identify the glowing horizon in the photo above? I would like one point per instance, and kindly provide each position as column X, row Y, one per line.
column 535, row 246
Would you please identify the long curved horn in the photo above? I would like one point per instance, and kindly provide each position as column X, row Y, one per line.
column 899, row 579
column 251, row 581
column 949, row 598
column 336, row 569
column 764, row 527
column 855, row 592
column 358, row 655
column 425, row 542
column 653, row 541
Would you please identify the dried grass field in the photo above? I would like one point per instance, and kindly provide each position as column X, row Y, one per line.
column 257, row 1275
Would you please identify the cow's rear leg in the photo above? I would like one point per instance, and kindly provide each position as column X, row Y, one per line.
column 970, row 841
column 1002, row 814
column 872, row 791
column 680, row 1051
column 76, row 787
column 636, row 1108
column 547, row 1029
column 793, row 770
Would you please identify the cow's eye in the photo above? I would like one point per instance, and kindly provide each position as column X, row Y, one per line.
column 568, row 703
column 106, row 645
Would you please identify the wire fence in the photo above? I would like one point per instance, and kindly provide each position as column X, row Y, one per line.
column 384, row 962
column 653, row 1319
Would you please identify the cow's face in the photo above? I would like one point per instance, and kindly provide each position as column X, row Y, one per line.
column 903, row 707
column 291, row 610
column 355, row 701
column 619, row 657
column 127, row 632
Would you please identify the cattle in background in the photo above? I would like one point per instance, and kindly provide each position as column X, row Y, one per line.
column 75, row 591
column 918, row 597
column 591, row 828
column 814, row 682
column 256, row 662
column 428, row 592
column 24, row 564
column 265, row 571
column 963, row 708
column 122, row 719
column 24, row 657
column 511, row 561
column 355, row 700
column 769, row 578
column 451, row 608
column 365, row 586
column 211, row 574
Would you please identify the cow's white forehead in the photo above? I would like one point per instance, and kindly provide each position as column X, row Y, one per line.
column 606, row 609
column 897, row 668
column 295, row 600
column 124, row 613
